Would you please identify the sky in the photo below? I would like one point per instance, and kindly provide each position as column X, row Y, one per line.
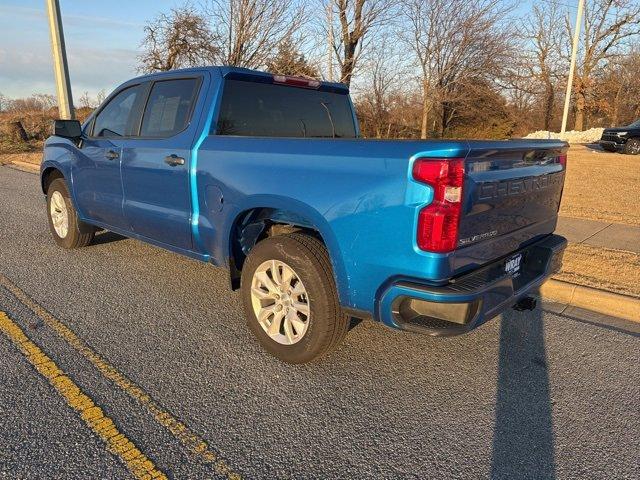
column 102, row 40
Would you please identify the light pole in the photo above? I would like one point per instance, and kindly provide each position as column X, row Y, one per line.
column 572, row 67
column 60, row 68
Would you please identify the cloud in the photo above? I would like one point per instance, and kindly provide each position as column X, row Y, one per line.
column 91, row 69
column 101, row 51
column 72, row 19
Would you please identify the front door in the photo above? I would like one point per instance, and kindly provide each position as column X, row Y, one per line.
column 155, row 166
column 97, row 180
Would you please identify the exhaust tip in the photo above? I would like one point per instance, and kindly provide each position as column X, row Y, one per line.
column 526, row 303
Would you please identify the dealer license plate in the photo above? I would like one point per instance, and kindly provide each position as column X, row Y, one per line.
column 512, row 265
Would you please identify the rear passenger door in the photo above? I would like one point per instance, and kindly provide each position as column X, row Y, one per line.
column 155, row 165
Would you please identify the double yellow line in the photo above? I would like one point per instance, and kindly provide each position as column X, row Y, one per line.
column 117, row 443
column 190, row 440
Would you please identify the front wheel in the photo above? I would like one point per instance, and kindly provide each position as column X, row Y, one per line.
column 290, row 298
column 632, row 147
column 67, row 229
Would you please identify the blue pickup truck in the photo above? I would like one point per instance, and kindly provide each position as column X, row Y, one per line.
column 266, row 175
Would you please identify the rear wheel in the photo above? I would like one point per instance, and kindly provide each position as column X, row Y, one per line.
column 632, row 147
column 290, row 298
column 67, row 229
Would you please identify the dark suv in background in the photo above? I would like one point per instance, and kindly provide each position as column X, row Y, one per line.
column 622, row 139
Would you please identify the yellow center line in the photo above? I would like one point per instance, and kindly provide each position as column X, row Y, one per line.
column 190, row 440
column 93, row 416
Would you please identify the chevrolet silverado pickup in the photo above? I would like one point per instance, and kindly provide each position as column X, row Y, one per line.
column 622, row 139
column 266, row 176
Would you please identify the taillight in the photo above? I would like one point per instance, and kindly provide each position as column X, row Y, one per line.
column 439, row 221
column 296, row 81
column 562, row 160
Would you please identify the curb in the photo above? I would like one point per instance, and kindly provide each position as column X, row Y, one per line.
column 607, row 303
column 24, row 166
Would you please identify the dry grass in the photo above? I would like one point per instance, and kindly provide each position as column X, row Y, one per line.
column 612, row 270
column 602, row 186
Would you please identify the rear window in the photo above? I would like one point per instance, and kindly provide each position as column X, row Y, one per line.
column 267, row 110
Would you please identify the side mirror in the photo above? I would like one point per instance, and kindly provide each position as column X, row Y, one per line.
column 67, row 128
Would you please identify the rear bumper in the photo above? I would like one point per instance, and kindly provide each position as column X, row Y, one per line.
column 472, row 299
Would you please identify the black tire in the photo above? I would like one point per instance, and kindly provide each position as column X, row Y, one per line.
column 632, row 147
column 608, row 148
column 308, row 257
column 79, row 234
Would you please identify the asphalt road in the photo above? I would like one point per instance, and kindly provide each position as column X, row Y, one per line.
column 159, row 344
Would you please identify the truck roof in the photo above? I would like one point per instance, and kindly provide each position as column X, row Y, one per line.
column 236, row 72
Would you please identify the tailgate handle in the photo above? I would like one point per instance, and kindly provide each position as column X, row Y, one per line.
column 174, row 160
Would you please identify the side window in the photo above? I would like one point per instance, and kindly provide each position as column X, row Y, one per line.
column 116, row 118
column 169, row 107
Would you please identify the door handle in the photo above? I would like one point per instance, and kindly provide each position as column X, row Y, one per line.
column 173, row 160
column 111, row 155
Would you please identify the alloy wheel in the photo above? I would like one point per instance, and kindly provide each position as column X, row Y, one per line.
column 280, row 302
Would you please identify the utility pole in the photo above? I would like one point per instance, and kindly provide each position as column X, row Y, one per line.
column 60, row 67
column 572, row 67
column 330, row 49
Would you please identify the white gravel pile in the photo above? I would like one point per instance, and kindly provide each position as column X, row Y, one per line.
column 572, row 136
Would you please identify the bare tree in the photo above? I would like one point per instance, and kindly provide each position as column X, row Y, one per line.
column 248, row 32
column 454, row 41
column 609, row 25
column 353, row 21
column 100, row 97
column 289, row 61
column 181, row 38
column 45, row 101
column 543, row 62
column 85, row 100
column 481, row 112
column 617, row 89
column 381, row 84
column 521, row 91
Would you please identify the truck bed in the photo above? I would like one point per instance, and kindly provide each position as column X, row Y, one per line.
column 360, row 196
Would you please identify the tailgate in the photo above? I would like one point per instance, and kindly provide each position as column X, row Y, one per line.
column 512, row 195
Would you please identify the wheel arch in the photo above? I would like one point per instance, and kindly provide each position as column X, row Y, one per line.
column 49, row 174
column 256, row 223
